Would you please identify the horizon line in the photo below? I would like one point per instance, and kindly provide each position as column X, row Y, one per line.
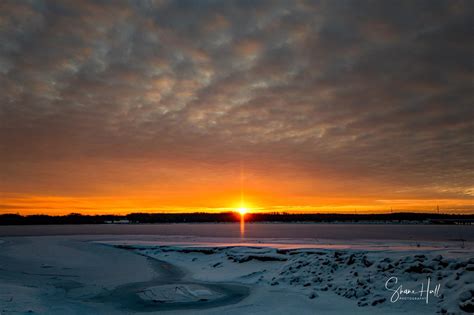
column 425, row 212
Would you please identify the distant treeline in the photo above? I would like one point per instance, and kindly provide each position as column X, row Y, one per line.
column 74, row 218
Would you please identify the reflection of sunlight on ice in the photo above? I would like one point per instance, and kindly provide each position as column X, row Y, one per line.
column 242, row 226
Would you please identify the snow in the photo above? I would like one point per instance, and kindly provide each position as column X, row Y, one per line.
column 134, row 274
column 52, row 275
column 354, row 276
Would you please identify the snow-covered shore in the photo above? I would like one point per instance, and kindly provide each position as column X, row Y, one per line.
column 335, row 280
column 149, row 274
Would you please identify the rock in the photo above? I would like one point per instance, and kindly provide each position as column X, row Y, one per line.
column 351, row 260
column 443, row 263
column 313, row 295
column 378, row 301
column 420, row 268
column 350, row 293
column 366, row 262
column 459, row 265
column 362, row 292
column 317, row 279
column 467, row 306
column 386, row 267
column 466, row 295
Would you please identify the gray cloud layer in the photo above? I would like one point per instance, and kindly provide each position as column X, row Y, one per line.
column 351, row 89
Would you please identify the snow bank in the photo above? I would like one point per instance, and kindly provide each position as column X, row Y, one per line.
column 359, row 276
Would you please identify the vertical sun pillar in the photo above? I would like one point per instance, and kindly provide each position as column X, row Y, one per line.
column 242, row 224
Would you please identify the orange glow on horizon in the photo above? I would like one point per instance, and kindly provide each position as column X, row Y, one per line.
column 179, row 187
column 61, row 205
column 262, row 194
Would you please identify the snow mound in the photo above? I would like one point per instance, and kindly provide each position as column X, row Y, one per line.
column 178, row 293
column 355, row 275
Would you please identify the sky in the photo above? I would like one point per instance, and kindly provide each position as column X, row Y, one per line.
column 296, row 106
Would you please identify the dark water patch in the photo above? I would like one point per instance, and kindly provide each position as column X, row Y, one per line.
column 127, row 297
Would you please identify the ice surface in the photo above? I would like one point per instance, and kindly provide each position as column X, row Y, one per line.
column 90, row 275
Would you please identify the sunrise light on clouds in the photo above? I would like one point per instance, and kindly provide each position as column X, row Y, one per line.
column 182, row 106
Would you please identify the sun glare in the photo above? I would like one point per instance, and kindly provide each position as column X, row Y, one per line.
column 242, row 210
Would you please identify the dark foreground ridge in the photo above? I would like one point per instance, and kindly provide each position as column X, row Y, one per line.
column 198, row 217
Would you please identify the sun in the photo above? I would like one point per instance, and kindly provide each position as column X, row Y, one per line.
column 242, row 210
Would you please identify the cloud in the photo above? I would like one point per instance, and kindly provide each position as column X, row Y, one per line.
column 315, row 89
